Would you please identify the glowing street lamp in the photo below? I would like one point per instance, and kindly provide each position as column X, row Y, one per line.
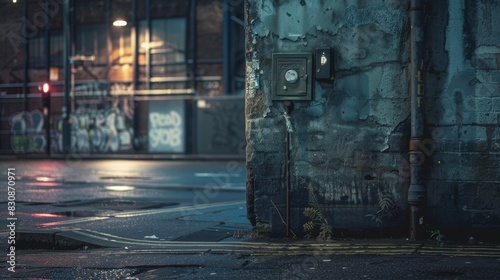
column 119, row 23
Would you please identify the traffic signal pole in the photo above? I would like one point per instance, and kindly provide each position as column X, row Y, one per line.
column 47, row 127
column 45, row 91
column 47, row 57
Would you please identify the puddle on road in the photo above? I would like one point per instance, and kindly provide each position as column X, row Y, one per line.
column 124, row 178
column 117, row 204
column 119, row 188
column 102, row 207
column 75, row 214
column 44, row 184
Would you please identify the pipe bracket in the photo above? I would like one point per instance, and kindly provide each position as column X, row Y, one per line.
column 415, row 144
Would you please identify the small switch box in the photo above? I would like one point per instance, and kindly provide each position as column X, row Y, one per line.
column 324, row 65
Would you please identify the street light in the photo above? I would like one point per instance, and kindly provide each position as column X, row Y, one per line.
column 119, row 23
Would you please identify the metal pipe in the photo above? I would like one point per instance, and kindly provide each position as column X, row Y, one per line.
column 47, row 126
column 288, row 105
column 416, row 192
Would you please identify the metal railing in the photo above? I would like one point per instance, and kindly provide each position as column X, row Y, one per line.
column 125, row 124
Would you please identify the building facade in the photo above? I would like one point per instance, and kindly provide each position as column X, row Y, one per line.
column 126, row 76
column 400, row 138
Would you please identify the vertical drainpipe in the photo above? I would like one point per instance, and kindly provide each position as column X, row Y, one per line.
column 288, row 106
column 416, row 191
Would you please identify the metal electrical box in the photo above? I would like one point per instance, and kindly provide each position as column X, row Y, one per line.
column 324, row 64
column 292, row 76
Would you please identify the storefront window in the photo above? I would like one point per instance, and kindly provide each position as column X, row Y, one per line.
column 91, row 40
column 166, row 50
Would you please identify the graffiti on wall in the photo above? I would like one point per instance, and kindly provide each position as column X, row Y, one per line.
column 165, row 129
column 106, row 127
column 166, row 126
column 94, row 89
column 121, row 88
column 27, row 132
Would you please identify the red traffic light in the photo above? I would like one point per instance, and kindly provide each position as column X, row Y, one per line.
column 46, row 88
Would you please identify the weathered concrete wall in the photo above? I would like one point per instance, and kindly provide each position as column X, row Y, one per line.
column 350, row 143
column 463, row 114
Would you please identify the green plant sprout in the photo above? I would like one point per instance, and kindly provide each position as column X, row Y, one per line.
column 438, row 236
column 317, row 220
column 387, row 209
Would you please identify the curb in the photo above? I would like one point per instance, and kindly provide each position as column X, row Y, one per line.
column 77, row 239
column 50, row 239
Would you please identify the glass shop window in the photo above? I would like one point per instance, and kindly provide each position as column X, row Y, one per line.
column 167, row 51
column 91, row 40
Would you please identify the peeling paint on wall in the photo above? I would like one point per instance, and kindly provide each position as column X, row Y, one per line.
column 291, row 20
column 351, row 141
column 253, row 71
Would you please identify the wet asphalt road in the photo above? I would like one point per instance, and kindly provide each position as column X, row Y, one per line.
column 49, row 192
column 106, row 264
column 89, row 193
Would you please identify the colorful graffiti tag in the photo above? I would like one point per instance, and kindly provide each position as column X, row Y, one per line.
column 100, row 130
column 27, row 130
